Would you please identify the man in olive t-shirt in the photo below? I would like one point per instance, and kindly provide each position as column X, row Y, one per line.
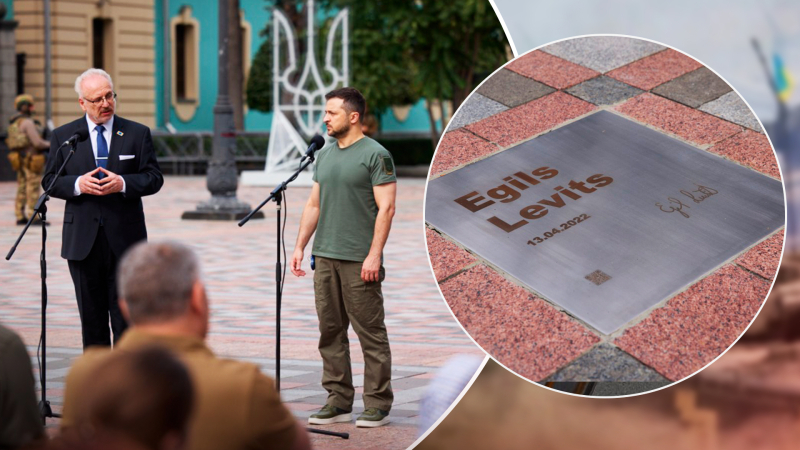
column 351, row 208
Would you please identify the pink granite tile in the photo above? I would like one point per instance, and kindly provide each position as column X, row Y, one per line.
column 697, row 325
column 751, row 149
column 551, row 70
column 654, row 70
column 765, row 257
column 517, row 328
column 446, row 258
column 678, row 119
column 524, row 121
column 457, row 148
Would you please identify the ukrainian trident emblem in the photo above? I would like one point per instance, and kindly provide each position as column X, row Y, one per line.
column 298, row 107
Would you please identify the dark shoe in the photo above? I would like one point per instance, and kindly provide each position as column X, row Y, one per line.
column 330, row 414
column 372, row 417
column 22, row 221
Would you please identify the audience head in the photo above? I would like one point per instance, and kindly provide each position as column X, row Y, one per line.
column 143, row 396
column 159, row 284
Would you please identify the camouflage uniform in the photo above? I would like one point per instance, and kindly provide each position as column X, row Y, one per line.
column 27, row 156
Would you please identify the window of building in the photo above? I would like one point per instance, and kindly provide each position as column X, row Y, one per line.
column 102, row 44
column 185, row 64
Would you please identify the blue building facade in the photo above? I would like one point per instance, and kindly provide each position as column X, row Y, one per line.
column 255, row 17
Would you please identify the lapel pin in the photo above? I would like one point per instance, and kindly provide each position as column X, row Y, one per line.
column 120, row 133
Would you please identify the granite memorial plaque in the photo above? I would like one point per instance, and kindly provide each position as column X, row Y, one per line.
column 604, row 216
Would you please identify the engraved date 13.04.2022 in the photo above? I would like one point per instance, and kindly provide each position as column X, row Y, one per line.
column 564, row 226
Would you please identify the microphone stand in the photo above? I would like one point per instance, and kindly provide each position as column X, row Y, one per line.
column 41, row 209
column 277, row 195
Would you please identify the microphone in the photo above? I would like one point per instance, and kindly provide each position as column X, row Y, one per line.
column 317, row 142
column 79, row 136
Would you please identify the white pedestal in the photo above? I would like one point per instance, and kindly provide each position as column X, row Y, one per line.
column 262, row 178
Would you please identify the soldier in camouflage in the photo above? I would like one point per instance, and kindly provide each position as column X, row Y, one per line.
column 26, row 155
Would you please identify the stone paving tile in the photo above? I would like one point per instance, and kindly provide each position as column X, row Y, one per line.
column 476, row 107
column 765, row 258
column 446, row 257
column 688, row 123
column 604, row 91
column 731, row 107
column 550, row 70
column 606, row 363
column 512, row 89
column 697, row 325
column 751, row 149
column 627, row 387
column 603, row 53
column 457, row 148
column 654, row 70
column 525, row 121
column 521, row 331
column 694, row 88
column 238, row 267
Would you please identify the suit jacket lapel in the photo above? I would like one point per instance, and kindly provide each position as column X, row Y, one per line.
column 85, row 154
column 116, row 145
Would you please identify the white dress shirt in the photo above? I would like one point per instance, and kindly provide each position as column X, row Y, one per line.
column 93, row 139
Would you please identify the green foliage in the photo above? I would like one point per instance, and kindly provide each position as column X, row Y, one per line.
column 409, row 151
column 404, row 50
column 259, row 83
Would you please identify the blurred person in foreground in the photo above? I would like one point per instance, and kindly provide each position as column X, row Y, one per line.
column 27, row 157
column 140, row 400
column 502, row 410
column 103, row 185
column 20, row 420
column 351, row 207
column 162, row 296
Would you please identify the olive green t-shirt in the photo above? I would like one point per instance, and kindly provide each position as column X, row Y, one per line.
column 347, row 208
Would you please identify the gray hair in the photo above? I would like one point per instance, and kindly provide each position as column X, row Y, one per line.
column 156, row 280
column 91, row 73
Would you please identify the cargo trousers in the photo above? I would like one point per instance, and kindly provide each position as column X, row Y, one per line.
column 341, row 298
column 29, row 178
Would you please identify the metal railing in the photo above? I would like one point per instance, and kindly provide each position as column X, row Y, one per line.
column 189, row 153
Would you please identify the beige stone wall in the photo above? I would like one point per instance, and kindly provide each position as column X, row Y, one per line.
column 132, row 50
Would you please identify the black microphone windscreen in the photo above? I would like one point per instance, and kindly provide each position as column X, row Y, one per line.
column 318, row 141
column 82, row 134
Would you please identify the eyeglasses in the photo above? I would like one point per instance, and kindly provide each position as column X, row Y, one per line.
column 110, row 97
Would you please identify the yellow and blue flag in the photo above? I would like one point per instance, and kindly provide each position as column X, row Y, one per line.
column 783, row 79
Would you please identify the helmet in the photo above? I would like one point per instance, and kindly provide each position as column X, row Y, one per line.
column 21, row 100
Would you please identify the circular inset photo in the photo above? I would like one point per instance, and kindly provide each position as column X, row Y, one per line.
column 605, row 209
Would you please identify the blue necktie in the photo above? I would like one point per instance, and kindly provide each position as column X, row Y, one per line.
column 102, row 150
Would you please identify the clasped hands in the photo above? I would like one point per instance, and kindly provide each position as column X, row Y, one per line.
column 110, row 184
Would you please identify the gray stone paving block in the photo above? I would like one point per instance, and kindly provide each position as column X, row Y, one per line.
column 603, row 53
column 626, row 388
column 513, row 89
column 731, row 107
column 694, row 88
column 410, row 395
column 411, row 406
column 477, row 107
column 606, row 362
column 291, row 395
column 604, row 91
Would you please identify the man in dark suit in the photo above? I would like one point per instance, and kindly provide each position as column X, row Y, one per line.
column 102, row 184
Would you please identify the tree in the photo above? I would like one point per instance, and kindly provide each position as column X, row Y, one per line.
column 259, row 82
column 403, row 51
column 454, row 45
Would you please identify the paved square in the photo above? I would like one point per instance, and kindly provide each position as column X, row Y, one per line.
column 238, row 267
column 650, row 212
